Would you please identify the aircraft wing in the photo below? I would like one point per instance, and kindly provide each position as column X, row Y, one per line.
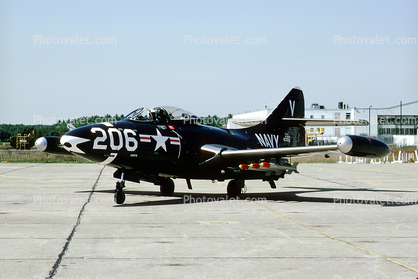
column 265, row 153
column 352, row 145
column 231, row 154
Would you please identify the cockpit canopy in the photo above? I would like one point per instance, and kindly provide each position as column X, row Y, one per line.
column 165, row 114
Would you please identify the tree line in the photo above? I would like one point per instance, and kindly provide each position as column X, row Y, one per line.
column 58, row 129
column 61, row 127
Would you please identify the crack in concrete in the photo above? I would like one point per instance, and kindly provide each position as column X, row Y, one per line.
column 70, row 237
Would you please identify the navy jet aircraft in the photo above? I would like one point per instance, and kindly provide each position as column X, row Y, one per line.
column 166, row 142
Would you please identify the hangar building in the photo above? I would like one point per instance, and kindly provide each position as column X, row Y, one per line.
column 396, row 124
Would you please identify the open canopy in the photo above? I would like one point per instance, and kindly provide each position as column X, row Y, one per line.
column 163, row 114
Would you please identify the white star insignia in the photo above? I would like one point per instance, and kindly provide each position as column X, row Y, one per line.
column 160, row 141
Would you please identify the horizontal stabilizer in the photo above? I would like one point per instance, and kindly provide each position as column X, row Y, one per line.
column 326, row 122
column 307, row 122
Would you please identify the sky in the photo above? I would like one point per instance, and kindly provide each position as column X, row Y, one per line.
column 67, row 59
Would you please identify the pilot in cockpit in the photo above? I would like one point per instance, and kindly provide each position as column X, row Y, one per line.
column 162, row 116
column 159, row 115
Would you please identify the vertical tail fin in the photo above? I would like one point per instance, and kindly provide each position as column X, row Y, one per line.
column 292, row 106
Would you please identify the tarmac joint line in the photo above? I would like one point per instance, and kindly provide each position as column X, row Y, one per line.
column 337, row 239
column 70, row 237
column 19, row 169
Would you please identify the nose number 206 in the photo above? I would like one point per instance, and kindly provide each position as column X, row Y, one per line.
column 127, row 139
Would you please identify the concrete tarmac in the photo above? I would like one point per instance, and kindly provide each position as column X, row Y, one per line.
column 330, row 221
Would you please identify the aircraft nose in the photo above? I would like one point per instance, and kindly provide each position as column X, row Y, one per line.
column 72, row 139
column 41, row 144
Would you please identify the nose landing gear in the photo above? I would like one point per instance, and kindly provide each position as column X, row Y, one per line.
column 119, row 194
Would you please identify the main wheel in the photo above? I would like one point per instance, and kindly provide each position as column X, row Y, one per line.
column 119, row 196
column 167, row 187
column 234, row 188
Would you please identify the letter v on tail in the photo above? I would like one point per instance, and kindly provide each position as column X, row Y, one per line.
column 292, row 107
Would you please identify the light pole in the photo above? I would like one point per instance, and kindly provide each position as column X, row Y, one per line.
column 369, row 120
column 400, row 128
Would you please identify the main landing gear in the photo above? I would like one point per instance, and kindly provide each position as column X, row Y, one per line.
column 167, row 187
column 119, row 194
column 234, row 188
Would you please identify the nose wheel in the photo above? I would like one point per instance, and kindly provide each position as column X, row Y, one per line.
column 235, row 187
column 119, row 194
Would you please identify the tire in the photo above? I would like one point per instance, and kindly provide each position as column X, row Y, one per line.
column 234, row 188
column 167, row 187
column 119, row 197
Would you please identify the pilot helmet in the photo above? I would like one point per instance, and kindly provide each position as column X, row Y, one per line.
column 162, row 115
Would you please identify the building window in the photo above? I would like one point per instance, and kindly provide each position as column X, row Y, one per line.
column 322, row 116
column 311, row 116
column 348, row 116
column 337, row 132
column 397, row 125
column 337, row 116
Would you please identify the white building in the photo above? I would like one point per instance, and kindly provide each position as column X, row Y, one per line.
column 401, row 120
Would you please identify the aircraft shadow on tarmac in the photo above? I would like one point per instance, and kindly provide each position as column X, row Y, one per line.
column 290, row 196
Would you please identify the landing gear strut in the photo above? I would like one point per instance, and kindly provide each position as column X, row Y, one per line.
column 234, row 188
column 119, row 194
column 167, row 187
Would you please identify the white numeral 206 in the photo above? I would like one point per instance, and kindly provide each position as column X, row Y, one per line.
column 131, row 144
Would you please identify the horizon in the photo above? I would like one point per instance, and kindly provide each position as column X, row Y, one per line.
column 62, row 59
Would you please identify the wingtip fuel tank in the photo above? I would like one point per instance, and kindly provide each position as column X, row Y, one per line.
column 361, row 146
